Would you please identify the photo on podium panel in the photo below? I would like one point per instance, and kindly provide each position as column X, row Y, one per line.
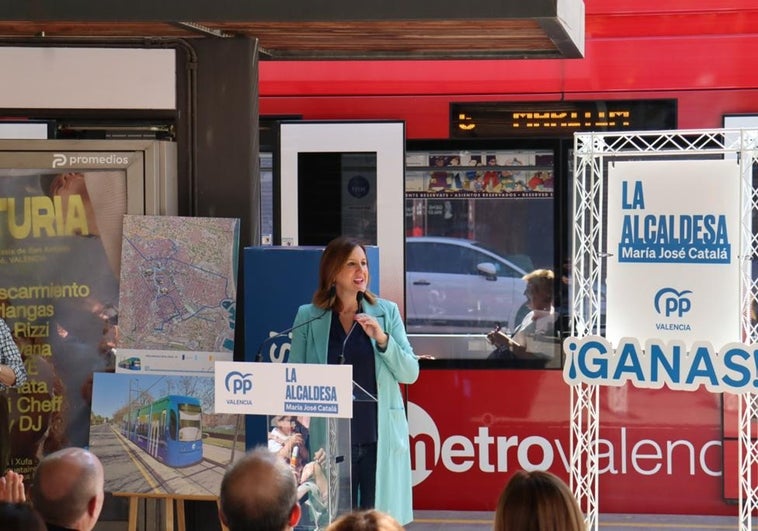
column 160, row 434
column 318, row 451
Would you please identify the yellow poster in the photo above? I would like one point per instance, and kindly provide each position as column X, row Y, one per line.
column 60, row 236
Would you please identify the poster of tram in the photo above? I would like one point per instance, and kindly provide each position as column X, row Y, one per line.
column 160, row 435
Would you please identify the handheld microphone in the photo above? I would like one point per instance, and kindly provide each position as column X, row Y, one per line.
column 259, row 355
column 358, row 297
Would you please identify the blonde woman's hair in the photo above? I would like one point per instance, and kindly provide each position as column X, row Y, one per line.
column 542, row 279
column 368, row 520
column 537, row 501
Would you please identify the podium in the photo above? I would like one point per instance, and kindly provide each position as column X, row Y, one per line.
column 333, row 435
column 312, row 400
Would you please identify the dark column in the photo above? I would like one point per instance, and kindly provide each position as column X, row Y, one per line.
column 217, row 133
column 226, row 144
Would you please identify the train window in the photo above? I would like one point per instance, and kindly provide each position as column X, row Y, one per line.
column 172, row 426
column 477, row 222
column 189, row 422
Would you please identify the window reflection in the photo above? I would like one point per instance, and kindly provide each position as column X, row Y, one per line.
column 476, row 223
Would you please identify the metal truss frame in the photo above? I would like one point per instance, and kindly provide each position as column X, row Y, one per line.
column 592, row 154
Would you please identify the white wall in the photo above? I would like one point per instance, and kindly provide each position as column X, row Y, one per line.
column 87, row 78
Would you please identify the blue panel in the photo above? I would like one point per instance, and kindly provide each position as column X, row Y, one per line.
column 277, row 281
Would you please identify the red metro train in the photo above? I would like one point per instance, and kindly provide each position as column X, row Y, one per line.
column 472, row 425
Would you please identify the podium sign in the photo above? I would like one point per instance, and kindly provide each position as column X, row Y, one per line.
column 284, row 388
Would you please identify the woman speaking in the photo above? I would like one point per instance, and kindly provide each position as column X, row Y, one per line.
column 346, row 323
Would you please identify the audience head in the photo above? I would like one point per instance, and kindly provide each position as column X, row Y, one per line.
column 259, row 492
column 537, row 501
column 68, row 489
column 20, row 517
column 368, row 520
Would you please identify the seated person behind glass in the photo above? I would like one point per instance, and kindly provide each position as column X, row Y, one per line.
column 282, row 438
column 288, row 439
column 533, row 343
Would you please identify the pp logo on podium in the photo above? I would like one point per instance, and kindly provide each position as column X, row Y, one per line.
column 236, row 382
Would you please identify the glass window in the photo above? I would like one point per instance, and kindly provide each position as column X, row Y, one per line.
column 477, row 221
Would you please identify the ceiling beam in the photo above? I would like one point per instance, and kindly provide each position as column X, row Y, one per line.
column 319, row 29
column 276, row 10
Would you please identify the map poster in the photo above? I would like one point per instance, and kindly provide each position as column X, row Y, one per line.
column 158, row 434
column 178, row 283
column 60, row 237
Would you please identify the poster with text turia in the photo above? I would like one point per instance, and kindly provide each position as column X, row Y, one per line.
column 60, row 245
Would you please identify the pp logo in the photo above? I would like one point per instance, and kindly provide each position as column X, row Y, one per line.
column 673, row 302
column 236, row 382
column 59, row 159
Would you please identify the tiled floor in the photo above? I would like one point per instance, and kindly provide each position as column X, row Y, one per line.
column 481, row 521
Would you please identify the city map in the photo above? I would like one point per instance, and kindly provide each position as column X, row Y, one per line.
column 178, row 283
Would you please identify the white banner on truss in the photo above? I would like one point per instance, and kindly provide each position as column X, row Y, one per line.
column 673, row 243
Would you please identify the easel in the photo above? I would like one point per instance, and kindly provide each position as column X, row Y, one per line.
column 173, row 504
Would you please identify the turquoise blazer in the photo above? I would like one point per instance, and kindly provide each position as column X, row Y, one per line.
column 396, row 365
